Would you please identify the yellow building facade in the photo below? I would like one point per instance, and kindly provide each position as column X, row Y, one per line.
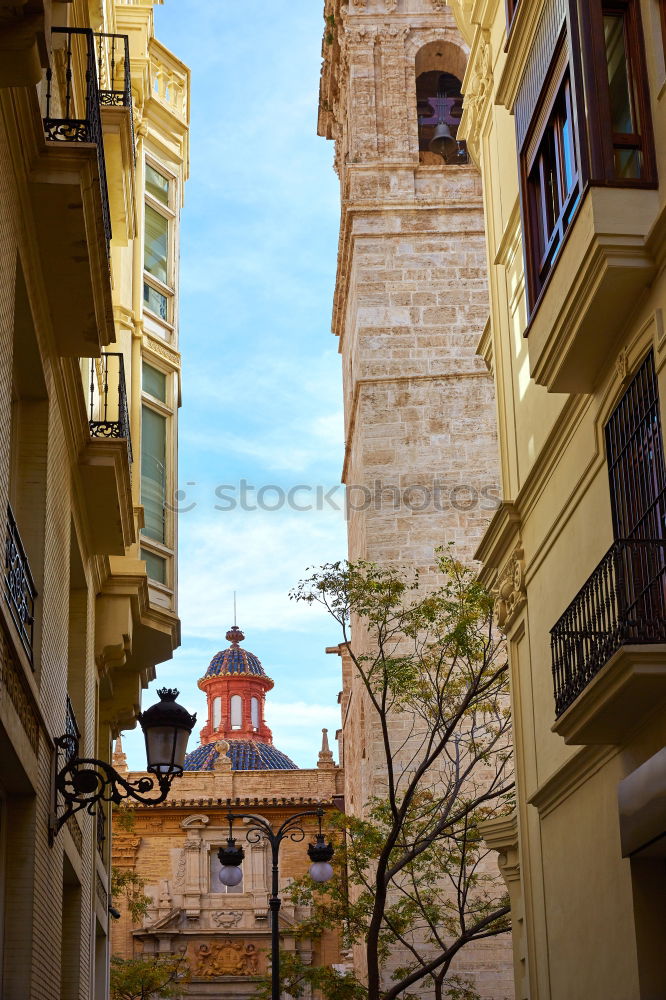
column 564, row 112
column 93, row 159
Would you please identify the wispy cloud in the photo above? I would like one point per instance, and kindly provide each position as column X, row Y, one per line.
column 261, row 376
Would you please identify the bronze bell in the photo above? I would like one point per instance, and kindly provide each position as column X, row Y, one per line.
column 443, row 143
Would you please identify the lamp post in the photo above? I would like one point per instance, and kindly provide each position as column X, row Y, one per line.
column 83, row 782
column 231, row 858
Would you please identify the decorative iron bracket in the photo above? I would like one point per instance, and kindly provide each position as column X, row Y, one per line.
column 83, row 782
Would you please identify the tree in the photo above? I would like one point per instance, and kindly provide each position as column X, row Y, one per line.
column 128, row 885
column 411, row 878
column 148, row 978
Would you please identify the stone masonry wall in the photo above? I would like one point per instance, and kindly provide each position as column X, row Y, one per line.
column 411, row 302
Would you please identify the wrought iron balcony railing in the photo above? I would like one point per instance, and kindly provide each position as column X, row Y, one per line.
column 109, row 415
column 114, row 74
column 20, row 590
column 623, row 602
column 64, row 120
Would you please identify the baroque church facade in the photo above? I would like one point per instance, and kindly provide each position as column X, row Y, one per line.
column 224, row 932
column 410, row 313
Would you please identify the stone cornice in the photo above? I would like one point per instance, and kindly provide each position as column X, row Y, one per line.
column 348, row 236
column 570, row 776
column 500, row 538
column 208, row 802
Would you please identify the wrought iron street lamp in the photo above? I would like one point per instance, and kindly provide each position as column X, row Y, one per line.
column 231, row 859
column 83, row 782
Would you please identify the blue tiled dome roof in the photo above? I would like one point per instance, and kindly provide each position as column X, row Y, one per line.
column 235, row 660
column 245, row 755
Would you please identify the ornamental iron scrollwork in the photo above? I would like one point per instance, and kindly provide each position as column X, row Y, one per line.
column 67, row 126
column 84, row 782
column 113, row 60
column 109, row 413
column 20, row 590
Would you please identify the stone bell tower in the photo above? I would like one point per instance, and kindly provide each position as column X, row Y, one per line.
column 411, row 315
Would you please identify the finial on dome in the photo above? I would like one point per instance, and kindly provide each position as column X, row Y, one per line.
column 234, row 635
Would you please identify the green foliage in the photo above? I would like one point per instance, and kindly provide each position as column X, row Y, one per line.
column 124, row 819
column 127, row 885
column 149, row 978
column 410, row 874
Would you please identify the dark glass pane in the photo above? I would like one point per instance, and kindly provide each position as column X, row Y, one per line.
column 155, row 301
column 155, row 566
column 622, row 105
column 628, row 164
column 157, row 185
column 156, row 244
column 568, row 167
column 153, row 473
column 154, row 382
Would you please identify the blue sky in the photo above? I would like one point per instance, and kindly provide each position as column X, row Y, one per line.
column 261, row 373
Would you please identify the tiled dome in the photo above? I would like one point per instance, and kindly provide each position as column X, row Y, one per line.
column 245, row 755
column 235, row 660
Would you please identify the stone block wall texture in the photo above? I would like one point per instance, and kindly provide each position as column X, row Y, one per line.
column 410, row 306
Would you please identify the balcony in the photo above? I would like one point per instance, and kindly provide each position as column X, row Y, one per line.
column 105, row 461
column 70, row 198
column 20, row 591
column 109, row 415
column 603, row 265
column 609, row 646
column 115, row 97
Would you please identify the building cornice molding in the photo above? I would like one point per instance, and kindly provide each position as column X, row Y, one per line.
column 583, row 763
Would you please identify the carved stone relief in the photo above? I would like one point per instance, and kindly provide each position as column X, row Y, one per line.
column 509, row 591
column 227, row 918
column 477, row 93
column 228, row 958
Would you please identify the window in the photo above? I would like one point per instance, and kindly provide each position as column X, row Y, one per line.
column 157, row 185
column 511, row 7
column 215, row 884
column 156, row 249
column 553, row 186
column 582, row 117
column 155, row 566
column 154, row 382
column 217, row 713
column 236, row 711
column 155, row 301
column 624, row 102
column 255, row 713
column 159, row 252
column 153, row 473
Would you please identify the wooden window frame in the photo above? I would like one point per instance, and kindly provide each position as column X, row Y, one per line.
column 511, row 8
column 586, row 64
column 662, row 12
column 559, row 84
column 602, row 143
column 545, row 236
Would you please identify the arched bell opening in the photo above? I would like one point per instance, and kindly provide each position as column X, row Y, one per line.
column 439, row 107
